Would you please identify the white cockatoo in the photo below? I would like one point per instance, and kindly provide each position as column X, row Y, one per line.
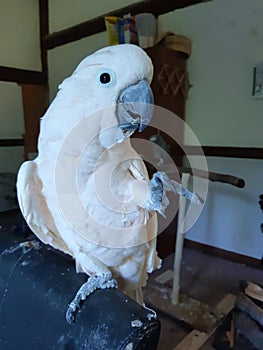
column 88, row 193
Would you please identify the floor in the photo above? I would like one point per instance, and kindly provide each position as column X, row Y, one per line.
column 203, row 277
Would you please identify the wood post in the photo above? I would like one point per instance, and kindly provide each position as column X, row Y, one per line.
column 179, row 242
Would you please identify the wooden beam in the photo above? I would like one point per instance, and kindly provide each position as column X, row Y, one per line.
column 44, row 30
column 97, row 25
column 22, row 76
column 11, row 142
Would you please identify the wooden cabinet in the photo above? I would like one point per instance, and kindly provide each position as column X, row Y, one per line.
column 35, row 102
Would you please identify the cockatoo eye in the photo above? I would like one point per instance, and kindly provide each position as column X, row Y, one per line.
column 106, row 78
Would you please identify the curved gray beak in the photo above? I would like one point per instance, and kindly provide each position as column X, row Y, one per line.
column 135, row 107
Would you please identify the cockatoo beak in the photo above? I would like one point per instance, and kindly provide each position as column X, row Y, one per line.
column 135, row 107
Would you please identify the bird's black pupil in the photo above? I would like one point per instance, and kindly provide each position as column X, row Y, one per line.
column 105, row 78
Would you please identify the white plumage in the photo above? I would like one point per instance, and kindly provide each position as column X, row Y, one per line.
column 84, row 194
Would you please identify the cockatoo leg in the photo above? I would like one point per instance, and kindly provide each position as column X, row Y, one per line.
column 96, row 281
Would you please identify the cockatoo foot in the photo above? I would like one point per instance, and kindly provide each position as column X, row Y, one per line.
column 159, row 185
column 100, row 281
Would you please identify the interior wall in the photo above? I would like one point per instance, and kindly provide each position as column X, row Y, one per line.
column 11, row 121
column 227, row 41
column 63, row 15
column 19, row 38
column 227, row 38
column 19, row 34
column 231, row 217
column 64, row 59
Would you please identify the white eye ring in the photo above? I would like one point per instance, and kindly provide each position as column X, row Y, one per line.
column 106, row 77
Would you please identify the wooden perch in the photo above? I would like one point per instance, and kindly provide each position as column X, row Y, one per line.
column 186, row 172
column 215, row 177
column 179, row 242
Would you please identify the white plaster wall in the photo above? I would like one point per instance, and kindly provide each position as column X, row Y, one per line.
column 11, row 125
column 11, row 115
column 19, row 34
column 66, row 13
column 231, row 217
column 19, row 48
column 63, row 59
column 227, row 39
column 11, row 158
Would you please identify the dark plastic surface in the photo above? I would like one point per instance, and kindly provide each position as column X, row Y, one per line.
column 36, row 286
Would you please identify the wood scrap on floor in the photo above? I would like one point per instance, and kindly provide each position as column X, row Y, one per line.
column 246, row 331
column 165, row 276
column 196, row 313
column 203, row 318
column 254, row 290
column 248, row 315
column 194, row 340
column 230, row 334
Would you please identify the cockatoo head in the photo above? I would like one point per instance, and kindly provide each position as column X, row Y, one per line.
column 118, row 75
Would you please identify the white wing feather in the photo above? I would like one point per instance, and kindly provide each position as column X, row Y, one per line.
column 34, row 208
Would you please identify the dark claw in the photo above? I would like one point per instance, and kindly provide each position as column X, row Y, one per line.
column 70, row 315
column 94, row 282
column 156, row 190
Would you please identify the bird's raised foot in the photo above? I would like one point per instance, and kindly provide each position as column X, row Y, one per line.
column 100, row 281
column 159, row 185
